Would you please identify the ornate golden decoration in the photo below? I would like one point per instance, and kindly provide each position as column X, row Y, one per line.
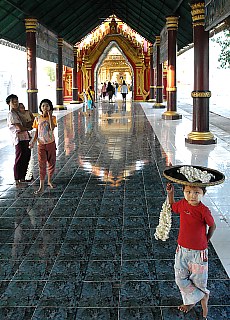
column 200, row 135
column 198, row 14
column 158, row 40
column 171, row 89
column 59, row 89
column 31, row 24
column 60, row 42
column 32, row 90
column 158, row 105
column 172, row 23
column 201, row 94
column 171, row 115
column 113, row 26
column 159, row 87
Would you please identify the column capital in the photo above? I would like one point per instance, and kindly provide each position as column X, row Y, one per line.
column 198, row 14
column 31, row 24
column 60, row 42
column 172, row 22
column 158, row 40
column 75, row 51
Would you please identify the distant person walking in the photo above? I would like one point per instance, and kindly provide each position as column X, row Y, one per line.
column 44, row 125
column 103, row 91
column 124, row 90
column 110, row 91
column 90, row 98
column 20, row 137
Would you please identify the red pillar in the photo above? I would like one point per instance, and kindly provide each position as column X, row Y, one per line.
column 159, row 83
column 151, row 91
column 80, row 75
column 59, row 73
column 31, row 25
column 200, row 123
column 171, row 113
column 164, row 82
column 75, row 88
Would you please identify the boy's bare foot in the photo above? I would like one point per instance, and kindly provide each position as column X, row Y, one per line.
column 186, row 307
column 204, row 304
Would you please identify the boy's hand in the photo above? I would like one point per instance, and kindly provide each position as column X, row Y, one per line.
column 170, row 191
column 169, row 188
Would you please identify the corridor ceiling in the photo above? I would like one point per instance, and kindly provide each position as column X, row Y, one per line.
column 74, row 19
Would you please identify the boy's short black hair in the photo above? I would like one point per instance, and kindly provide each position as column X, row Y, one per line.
column 202, row 188
column 11, row 97
column 46, row 101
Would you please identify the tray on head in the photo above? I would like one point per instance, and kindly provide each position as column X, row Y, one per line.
column 200, row 176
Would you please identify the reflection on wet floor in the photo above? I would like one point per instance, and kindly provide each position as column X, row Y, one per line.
column 86, row 249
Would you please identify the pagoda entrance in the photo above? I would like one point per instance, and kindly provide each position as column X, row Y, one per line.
column 98, row 64
column 113, row 66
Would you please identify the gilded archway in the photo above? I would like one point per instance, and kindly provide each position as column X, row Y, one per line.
column 136, row 55
column 104, row 57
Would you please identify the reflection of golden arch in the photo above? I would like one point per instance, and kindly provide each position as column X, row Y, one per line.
column 133, row 55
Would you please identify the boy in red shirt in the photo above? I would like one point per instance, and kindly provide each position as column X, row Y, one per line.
column 191, row 260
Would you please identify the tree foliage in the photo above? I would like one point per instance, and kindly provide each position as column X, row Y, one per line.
column 50, row 73
column 224, row 42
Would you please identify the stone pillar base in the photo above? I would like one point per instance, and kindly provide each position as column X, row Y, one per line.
column 202, row 138
column 60, row 107
column 158, row 105
column 171, row 115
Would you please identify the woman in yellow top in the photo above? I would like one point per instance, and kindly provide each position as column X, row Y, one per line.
column 44, row 125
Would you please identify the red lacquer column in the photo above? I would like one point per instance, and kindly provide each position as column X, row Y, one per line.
column 164, row 82
column 151, row 91
column 172, row 27
column 31, row 25
column 75, row 88
column 200, row 123
column 159, row 82
column 80, row 75
column 59, row 73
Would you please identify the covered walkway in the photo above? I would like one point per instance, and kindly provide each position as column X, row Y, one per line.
column 86, row 250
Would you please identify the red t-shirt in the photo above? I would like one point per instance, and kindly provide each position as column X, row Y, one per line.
column 193, row 224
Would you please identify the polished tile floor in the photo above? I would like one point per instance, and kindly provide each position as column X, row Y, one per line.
column 86, row 250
